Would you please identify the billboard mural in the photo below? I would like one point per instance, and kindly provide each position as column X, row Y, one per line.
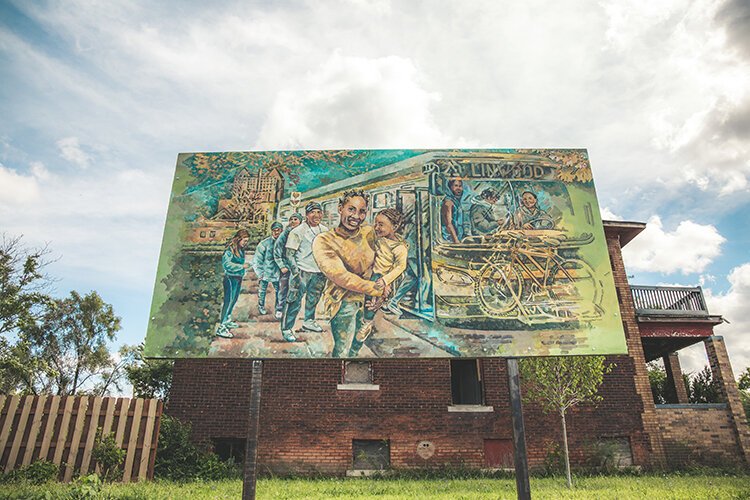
column 384, row 253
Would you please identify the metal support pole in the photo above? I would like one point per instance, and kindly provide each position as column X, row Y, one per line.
column 253, row 423
column 519, row 434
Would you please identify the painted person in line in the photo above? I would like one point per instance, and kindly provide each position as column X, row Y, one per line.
column 266, row 268
column 279, row 255
column 346, row 255
column 305, row 278
column 233, row 263
column 529, row 215
column 481, row 213
column 452, row 212
column 390, row 262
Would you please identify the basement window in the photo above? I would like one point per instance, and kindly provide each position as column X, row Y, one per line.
column 371, row 454
column 227, row 448
column 357, row 376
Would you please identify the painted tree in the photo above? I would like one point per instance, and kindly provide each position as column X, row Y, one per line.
column 560, row 383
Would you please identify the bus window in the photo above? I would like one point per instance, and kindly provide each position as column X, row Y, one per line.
column 382, row 200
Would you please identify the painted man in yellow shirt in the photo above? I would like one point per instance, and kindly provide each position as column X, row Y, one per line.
column 345, row 255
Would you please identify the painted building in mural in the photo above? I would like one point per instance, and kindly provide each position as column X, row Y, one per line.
column 505, row 244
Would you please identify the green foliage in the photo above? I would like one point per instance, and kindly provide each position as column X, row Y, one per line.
column 72, row 338
column 657, row 377
column 38, row 472
column 178, row 459
column 743, row 382
column 23, row 300
column 703, row 388
column 554, row 459
column 559, row 383
column 86, row 488
column 150, row 378
column 706, row 485
column 109, row 456
column 22, row 284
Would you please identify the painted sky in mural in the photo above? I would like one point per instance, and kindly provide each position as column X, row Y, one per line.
column 384, row 253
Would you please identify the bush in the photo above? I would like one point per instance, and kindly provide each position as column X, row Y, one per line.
column 86, row 488
column 38, row 472
column 178, row 459
column 109, row 456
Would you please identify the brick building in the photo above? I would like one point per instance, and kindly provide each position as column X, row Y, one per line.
column 331, row 416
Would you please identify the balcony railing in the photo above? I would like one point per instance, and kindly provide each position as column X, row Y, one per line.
column 669, row 300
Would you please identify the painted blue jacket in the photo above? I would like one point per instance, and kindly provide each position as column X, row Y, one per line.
column 263, row 262
column 279, row 248
column 233, row 265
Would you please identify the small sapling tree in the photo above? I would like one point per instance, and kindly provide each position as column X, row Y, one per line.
column 557, row 384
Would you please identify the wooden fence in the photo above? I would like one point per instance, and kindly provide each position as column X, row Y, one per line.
column 62, row 429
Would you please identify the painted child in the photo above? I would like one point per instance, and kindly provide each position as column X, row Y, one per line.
column 233, row 264
column 390, row 260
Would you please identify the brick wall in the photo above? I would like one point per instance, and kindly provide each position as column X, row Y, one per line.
column 307, row 425
column 697, row 434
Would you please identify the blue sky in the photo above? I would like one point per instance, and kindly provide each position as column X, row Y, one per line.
column 99, row 97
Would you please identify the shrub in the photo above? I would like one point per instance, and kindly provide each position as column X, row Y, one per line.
column 109, row 456
column 86, row 488
column 178, row 459
column 38, row 472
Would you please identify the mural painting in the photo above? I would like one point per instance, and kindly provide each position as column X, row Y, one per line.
column 393, row 253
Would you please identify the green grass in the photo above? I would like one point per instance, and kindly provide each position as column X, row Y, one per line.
column 652, row 486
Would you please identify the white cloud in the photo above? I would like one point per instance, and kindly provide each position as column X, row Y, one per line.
column 734, row 306
column 17, row 189
column 353, row 102
column 70, row 149
column 608, row 214
column 690, row 248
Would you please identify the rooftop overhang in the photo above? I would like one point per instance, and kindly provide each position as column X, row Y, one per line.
column 661, row 335
column 626, row 230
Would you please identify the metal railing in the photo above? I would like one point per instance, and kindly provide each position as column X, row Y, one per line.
column 669, row 300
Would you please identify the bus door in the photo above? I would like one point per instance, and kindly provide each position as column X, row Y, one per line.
column 414, row 204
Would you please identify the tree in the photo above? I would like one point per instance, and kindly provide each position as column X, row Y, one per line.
column 703, row 388
column 743, row 384
column 150, row 378
column 558, row 384
column 657, row 377
column 72, row 338
column 23, row 285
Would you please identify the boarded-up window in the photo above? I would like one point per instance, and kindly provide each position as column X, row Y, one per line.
column 371, row 454
column 357, row 372
column 498, row 453
column 466, row 385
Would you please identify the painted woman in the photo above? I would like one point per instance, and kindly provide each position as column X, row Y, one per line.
column 233, row 264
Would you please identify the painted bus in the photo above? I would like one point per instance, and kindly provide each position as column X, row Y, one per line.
column 497, row 240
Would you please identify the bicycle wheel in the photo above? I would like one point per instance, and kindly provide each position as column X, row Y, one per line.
column 574, row 280
column 498, row 288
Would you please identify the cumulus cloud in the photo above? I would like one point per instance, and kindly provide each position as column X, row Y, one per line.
column 608, row 214
column 18, row 189
column 70, row 149
column 734, row 306
column 690, row 248
column 353, row 102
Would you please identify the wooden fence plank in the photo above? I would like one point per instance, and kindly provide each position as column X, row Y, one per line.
column 62, row 436
column 26, row 403
column 146, row 448
column 109, row 415
column 155, row 440
column 75, row 441
column 49, row 428
column 9, row 416
column 36, row 423
column 123, row 418
column 133, row 441
column 91, row 436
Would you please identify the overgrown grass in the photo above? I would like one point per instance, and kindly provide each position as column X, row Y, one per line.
column 670, row 486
